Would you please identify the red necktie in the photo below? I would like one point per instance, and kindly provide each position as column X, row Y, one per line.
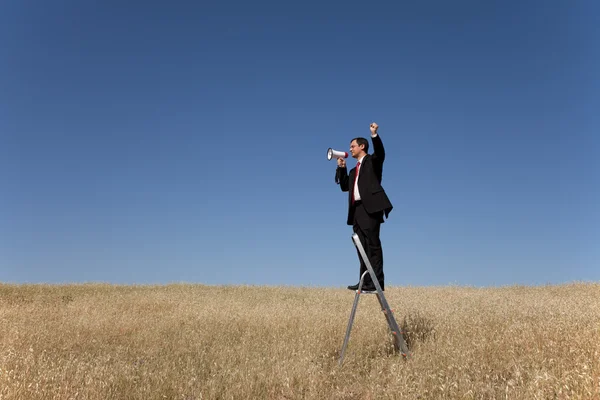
column 355, row 179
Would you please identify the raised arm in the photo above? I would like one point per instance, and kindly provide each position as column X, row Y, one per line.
column 378, row 150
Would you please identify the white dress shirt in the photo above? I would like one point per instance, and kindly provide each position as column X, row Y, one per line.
column 356, row 192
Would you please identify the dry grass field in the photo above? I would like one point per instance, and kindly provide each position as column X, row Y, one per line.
column 184, row 341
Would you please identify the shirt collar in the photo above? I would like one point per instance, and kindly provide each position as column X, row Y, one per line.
column 360, row 160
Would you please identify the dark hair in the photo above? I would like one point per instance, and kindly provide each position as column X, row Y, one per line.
column 360, row 141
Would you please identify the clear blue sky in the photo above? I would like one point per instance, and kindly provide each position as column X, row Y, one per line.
column 155, row 142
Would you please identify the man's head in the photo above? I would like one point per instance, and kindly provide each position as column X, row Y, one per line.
column 359, row 147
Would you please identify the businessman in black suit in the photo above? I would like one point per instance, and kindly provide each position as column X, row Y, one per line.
column 367, row 202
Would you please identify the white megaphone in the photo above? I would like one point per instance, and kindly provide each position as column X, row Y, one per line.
column 335, row 153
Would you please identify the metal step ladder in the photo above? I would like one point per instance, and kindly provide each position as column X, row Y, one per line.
column 397, row 334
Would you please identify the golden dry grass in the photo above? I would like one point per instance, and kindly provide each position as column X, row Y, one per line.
column 235, row 342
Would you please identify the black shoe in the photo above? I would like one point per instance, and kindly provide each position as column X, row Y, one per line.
column 353, row 287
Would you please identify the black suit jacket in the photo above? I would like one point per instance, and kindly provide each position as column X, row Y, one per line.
column 372, row 194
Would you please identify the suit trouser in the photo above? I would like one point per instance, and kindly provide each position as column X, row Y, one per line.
column 367, row 227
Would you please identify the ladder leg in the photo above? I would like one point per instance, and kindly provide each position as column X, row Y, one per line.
column 351, row 320
column 399, row 342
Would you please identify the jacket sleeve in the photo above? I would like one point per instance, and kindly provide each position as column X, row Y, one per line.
column 378, row 150
column 342, row 175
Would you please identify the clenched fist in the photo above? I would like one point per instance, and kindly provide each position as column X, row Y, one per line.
column 341, row 162
column 374, row 128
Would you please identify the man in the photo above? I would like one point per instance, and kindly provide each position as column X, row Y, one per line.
column 367, row 202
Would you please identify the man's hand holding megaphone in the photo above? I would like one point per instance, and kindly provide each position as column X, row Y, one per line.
column 341, row 162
